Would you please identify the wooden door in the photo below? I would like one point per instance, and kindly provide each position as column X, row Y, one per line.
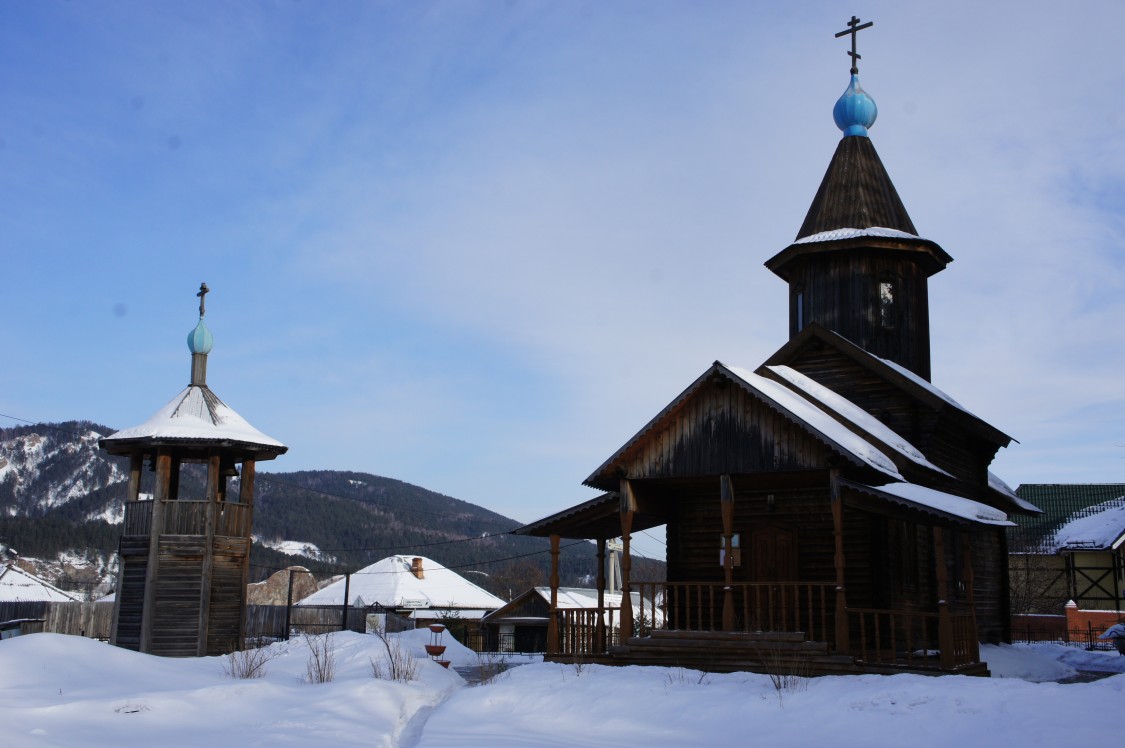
column 772, row 603
column 773, row 555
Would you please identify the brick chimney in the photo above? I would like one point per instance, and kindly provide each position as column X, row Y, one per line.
column 416, row 568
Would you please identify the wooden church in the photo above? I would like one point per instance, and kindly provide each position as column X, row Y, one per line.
column 830, row 510
column 184, row 558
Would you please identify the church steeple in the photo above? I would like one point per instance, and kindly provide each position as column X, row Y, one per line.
column 858, row 265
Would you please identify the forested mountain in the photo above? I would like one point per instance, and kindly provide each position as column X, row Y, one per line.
column 61, row 498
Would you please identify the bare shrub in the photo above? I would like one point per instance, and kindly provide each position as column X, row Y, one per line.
column 787, row 674
column 399, row 665
column 680, row 677
column 490, row 667
column 247, row 663
column 321, row 666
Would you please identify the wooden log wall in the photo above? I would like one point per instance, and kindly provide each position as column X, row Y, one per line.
column 841, row 292
column 133, row 555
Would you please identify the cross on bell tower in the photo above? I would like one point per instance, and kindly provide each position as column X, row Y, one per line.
column 854, row 27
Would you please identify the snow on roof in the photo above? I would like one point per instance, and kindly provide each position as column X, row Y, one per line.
column 1102, row 530
column 853, row 413
column 197, row 413
column 839, row 234
column 923, row 383
column 958, row 506
column 18, row 586
column 817, row 419
column 391, row 583
column 996, row 483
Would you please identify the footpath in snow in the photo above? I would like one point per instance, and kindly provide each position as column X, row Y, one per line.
column 69, row 691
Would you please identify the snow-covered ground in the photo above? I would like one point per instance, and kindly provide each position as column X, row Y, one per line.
column 68, row 691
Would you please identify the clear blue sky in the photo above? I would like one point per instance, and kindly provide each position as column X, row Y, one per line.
column 477, row 245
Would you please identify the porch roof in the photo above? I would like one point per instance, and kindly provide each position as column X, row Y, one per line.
column 944, row 505
column 596, row 519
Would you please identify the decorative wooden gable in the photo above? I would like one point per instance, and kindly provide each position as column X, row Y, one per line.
column 732, row 421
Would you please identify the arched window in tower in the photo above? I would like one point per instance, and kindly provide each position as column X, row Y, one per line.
column 799, row 307
column 886, row 303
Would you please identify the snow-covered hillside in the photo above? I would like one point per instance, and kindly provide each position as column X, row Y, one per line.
column 46, row 468
column 65, row 691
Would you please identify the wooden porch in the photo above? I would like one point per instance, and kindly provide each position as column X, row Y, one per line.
column 790, row 628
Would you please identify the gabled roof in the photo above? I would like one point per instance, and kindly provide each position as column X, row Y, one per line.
column 19, row 586
column 391, row 583
column 910, row 383
column 195, row 416
column 802, row 411
column 851, row 413
column 1061, row 503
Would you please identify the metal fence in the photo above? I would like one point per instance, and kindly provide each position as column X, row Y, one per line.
column 1043, row 629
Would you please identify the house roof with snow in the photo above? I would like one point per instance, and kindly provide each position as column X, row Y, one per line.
column 398, row 582
column 19, row 586
column 1062, row 503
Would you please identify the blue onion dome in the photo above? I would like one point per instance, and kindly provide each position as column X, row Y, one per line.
column 855, row 111
column 200, row 340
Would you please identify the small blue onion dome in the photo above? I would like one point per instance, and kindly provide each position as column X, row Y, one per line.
column 200, row 340
column 855, row 111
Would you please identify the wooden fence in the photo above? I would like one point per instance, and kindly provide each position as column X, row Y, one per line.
column 93, row 619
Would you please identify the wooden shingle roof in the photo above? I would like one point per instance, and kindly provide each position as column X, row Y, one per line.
column 856, row 193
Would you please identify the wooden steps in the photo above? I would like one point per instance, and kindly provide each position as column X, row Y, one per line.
column 762, row 652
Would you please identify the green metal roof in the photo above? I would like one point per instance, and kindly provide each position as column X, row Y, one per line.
column 1060, row 502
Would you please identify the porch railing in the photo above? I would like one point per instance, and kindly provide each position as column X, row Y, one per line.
column 579, row 632
column 184, row 517
column 914, row 639
column 698, row 606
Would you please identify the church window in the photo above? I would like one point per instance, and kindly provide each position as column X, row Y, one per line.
column 886, row 303
column 799, row 308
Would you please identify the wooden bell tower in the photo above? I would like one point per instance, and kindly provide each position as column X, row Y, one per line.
column 185, row 556
column 858, row 266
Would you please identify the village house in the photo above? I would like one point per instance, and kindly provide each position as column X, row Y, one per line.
column 1069, row 562
column 830, row 510
column 414, row 587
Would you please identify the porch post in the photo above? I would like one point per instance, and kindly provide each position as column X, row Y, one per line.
column 628, row 508
column 726, row 505
column 970, row 578
column 945, row 624
column 599, row 627
column 843, row 635
column 553, row 618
